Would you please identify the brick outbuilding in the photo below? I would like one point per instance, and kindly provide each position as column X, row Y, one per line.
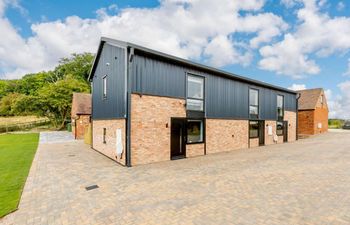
column 312, row 112
column 80, row 114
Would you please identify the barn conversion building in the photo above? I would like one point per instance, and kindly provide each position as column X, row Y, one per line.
column 148, row 106
column 312, row 112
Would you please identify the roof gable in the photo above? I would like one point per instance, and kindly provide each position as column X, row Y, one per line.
column 310, row 98
column 81, row 104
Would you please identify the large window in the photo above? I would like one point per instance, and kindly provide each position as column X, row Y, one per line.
column 104, row 87
column 254, row 103
column 194, row 131
column 253, row 129
column 195, row 93
column 279, row 128
column 280, row 107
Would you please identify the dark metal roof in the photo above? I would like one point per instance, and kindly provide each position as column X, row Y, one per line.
column 213, row 70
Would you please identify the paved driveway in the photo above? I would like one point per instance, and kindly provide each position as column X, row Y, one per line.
column 307, row 182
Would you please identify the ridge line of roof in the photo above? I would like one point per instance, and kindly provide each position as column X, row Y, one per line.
column 188, row 62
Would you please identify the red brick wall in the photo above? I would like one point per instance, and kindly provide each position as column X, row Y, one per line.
column 150, row 127
column 306, row 122
column 321, row 116
column 108, row 148
column 80, row 126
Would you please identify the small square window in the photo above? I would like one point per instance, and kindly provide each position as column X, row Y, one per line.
column 194, row 131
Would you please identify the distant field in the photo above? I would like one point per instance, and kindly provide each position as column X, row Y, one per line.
column 18, row 119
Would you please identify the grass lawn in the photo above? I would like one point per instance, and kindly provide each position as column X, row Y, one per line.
column 16, row 156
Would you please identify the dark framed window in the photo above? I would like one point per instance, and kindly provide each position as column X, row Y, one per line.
column 254, row 103
column 253, row 129
column 195, row 93
column 104, row 135
column 280, row 107
column 195, row 131
column 104, row 87
column 279, row 128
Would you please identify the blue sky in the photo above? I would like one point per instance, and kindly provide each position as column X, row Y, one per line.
column 291, row 43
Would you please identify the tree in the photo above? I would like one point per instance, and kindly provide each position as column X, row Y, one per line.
column 78, row 66
column 7, row 104
column 54, row 100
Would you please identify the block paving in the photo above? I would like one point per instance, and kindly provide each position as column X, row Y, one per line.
column 305, row 182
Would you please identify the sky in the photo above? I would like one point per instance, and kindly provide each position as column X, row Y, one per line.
column 295, row 44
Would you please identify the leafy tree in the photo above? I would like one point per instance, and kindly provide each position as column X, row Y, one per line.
column 78, row 66
column 4, row 86
column 7, row 104
column 54, row 100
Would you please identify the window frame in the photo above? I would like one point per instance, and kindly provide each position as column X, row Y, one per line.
column 104, row 87
column 258, row 134
column 253, row 116
column 192, row 98
column 283, row 106
column 202, row 131
column 282, row 134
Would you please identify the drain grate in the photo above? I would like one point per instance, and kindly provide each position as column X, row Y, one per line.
column 88, row 188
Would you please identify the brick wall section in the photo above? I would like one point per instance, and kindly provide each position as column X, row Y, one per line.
column 269, row 138
column 253, row 142
column 194, row 150
column 226, row 135
column 292, row 121
column 306, row 122
column 108, row 148
column 150, row 137
column 80, row 126
column 321, row 115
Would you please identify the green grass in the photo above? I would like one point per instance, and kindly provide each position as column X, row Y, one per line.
column 16, row 156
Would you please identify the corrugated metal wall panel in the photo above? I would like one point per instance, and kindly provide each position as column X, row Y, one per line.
column 154, row 77
column 114, row 105
column 225, row 98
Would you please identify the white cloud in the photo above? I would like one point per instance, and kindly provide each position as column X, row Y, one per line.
column 316, row 33
column 347, row 72
column 340, row 6
column 297, row 87
column 186, row 28
column 339, row 105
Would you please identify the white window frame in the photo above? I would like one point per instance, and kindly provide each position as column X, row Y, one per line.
column 104, row 87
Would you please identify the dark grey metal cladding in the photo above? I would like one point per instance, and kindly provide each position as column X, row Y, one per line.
column 224, row 98
column 154, row 77
column 111, row 63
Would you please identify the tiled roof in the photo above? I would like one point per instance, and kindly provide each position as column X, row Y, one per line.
column 309, row 98
column 81, row 104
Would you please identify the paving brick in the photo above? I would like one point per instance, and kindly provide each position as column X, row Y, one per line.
column 304, row 182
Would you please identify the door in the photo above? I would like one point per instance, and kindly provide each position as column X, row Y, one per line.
column 261, row 132
column 178, row 138
column 285, row 131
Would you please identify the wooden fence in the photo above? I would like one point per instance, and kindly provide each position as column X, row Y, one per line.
column 23, row 126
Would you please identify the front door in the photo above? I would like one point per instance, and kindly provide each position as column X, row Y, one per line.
column 178, row 138
column 261, row 132
column 285, row 131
